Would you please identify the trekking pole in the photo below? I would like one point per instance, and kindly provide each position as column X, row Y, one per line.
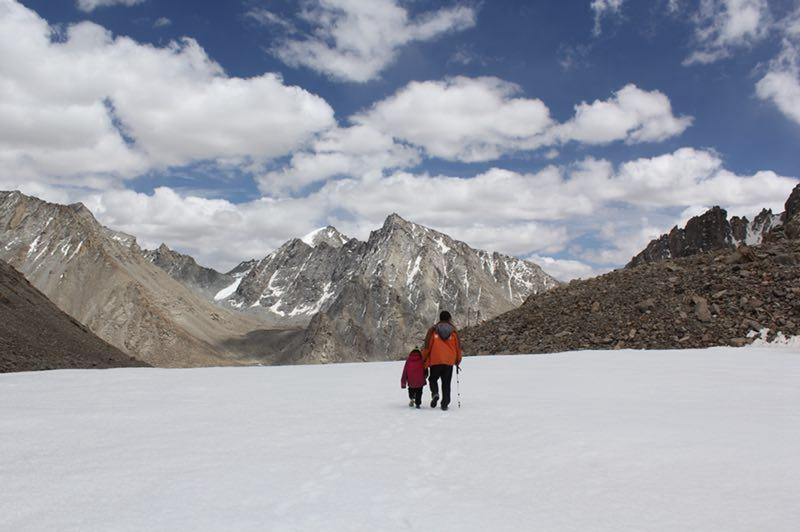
column 458, row 386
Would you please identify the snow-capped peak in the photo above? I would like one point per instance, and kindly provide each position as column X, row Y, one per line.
column 328, row 235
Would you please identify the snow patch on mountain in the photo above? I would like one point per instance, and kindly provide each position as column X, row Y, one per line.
column 228, row 290
column 328, row 235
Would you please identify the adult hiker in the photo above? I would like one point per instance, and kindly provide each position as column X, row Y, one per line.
column 442, row 351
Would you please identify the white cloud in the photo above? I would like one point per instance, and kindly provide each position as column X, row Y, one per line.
column 604, row 8
column 781, row 84
column 87, row 107
column 565, row 269
column 91, row 5
column 723, row 25
column 353, row 40
column 482, row 119
column 465, row 119
column 631, row 114
column 265, row 17
column 355, row 151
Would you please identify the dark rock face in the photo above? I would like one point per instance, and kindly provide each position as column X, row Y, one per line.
column 791, row 215
column 707, row 232
column 37, row 335
column 792, row 206
column 739, row 228
column 708, row 299
column 711, row 230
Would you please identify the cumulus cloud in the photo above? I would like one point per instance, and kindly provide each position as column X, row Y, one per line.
column 631, row 114
column 353, row 40
column 604, row 8
column 482, row 119
column 87, row 107
column 781, row 84
column 91, row 5
column 724, row 25
column 354, row 151
column 464, row 119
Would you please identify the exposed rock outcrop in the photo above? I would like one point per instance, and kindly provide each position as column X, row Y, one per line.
column 791, row 214
column 707, row 232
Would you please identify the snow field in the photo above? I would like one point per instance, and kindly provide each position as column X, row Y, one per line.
column 627, row 440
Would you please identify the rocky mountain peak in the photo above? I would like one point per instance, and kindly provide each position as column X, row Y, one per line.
column 396, row 223
column 791, row 215
column 792, row 206
column 82, row 211
column 707, row 232
column 183, row 268
column 243, row 268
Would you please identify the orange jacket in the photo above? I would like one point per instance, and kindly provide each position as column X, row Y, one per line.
column 441, row 350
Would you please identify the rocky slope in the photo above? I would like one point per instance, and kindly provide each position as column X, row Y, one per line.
column 707, row 232
column 101, row 278
column 719, row 297
column 37, row 335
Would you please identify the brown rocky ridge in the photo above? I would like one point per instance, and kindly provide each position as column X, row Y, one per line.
column 719, row 297
column 37, row 335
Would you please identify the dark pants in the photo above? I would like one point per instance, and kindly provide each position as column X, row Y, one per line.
column 415, row 394
column 444, row 372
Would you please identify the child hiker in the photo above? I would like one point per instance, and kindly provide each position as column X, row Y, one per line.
column 414, row 375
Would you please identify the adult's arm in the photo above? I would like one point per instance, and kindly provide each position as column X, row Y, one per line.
column 426, row 350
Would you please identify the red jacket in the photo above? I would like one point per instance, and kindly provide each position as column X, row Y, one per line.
column 413, row 371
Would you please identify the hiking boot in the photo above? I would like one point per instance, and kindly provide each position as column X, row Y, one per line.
column 417, row 406
column 444, row 407
column 434, row 401
column 411, row 403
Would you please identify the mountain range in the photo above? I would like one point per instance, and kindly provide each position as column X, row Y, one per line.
column 321, row 298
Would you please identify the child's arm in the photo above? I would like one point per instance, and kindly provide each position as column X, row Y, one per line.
column 404, row 378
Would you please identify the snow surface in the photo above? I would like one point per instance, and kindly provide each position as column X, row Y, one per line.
column 310, row 237
column 661, row 440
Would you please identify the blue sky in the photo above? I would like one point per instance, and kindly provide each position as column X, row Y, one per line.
column 687, row 104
